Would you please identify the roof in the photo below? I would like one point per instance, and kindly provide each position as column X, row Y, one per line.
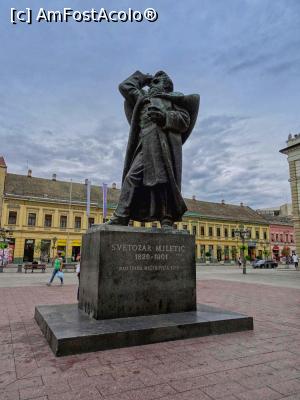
column 47, row 190
column 278, row 220
column 2, row 162
column 224, row 211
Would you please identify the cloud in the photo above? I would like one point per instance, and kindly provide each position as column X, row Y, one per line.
column 61, row 112
column 225, row 166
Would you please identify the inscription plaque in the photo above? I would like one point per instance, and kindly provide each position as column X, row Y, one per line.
column 127, row 271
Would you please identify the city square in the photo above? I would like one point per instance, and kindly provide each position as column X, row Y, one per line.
column 260, row 364
column 149, row 200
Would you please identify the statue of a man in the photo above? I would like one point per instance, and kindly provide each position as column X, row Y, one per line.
column 160, row 122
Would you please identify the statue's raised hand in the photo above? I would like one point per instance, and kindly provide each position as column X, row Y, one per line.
column 157, row 116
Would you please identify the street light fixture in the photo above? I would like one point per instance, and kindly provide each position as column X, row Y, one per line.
column 242, row 233
column 4, row 233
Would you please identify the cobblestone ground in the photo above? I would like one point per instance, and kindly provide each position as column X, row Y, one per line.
column 259, row 365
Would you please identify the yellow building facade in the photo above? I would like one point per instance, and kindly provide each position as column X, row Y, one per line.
column 46, row 216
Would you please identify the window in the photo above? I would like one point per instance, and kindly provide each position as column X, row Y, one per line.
column 48, row 220
column 174, row 226
column 143, row 224
column 276, row 237
column 286, row 237
column 31, row 219
column 184, row 227
column 130, row 223
column 77, row 222
column 272, row 237
column 218, row 232
column 63, row 221
column 194, row 230
column 154, row 225
column 210, row 231
column 202, row 231
column 257, row 234
column 226, row 232
column 12, row 217
column 91, row 222
column 281, row 237
column 292, row 238
column 265, row 235
column 232, row 233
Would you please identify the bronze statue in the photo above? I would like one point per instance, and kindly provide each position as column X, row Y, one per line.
column 160, row 121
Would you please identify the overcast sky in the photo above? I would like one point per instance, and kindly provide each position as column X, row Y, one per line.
column 61, row 112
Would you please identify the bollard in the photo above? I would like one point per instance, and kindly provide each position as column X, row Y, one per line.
column 19, row 268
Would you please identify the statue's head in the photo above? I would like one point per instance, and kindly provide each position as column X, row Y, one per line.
column 161, row 82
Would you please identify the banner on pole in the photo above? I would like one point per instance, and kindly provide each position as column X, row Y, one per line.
column 88, row 197
column 104, row 191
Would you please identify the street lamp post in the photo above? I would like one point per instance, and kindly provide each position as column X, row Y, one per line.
column 3, row 237
column 54, row 240
column 242, row 233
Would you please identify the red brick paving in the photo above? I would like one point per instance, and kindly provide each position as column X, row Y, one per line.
column 259, row 365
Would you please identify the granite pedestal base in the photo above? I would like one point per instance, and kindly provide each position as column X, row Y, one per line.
column 130, row 272
column 69, row 330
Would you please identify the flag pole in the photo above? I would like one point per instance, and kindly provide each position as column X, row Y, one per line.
column 69, row 219
column 104, row 201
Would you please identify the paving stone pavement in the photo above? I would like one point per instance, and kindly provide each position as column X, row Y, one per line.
column 259, row 365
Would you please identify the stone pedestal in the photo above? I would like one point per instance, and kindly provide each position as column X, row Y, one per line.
column 127, row 272
column 71, row 331
column 137, row 286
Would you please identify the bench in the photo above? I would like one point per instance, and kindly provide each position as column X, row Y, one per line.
column 34, row 266
column 69, row 266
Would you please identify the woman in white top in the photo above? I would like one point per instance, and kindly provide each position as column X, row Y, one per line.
column 78, row 275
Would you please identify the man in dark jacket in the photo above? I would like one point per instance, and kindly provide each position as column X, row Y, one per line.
column 160, row 122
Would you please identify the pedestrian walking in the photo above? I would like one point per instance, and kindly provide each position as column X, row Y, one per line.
column 295, row 259
column 78, row 275
column 57, row 270
column 239, row 262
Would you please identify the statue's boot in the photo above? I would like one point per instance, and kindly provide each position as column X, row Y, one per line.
column 115, row 220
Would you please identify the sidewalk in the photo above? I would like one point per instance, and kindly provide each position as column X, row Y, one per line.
column 259, row 365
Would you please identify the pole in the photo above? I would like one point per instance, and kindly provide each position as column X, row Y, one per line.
column 104, row 201
column 68, row 220
column 88, row 198
column 244, row 260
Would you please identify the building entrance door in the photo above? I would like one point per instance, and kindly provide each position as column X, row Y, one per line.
column 219, row 253
column 75, row 252
column 28, row 250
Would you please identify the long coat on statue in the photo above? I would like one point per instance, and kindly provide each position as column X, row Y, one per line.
column 162, row 150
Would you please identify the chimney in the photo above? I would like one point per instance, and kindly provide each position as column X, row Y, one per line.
column 223, row 201
column 54, row 177
column 29, row 173
column 114, row 186
column 194, row 197
column 242, row 204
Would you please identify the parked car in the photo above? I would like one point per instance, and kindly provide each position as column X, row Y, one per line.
column 265, row 264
